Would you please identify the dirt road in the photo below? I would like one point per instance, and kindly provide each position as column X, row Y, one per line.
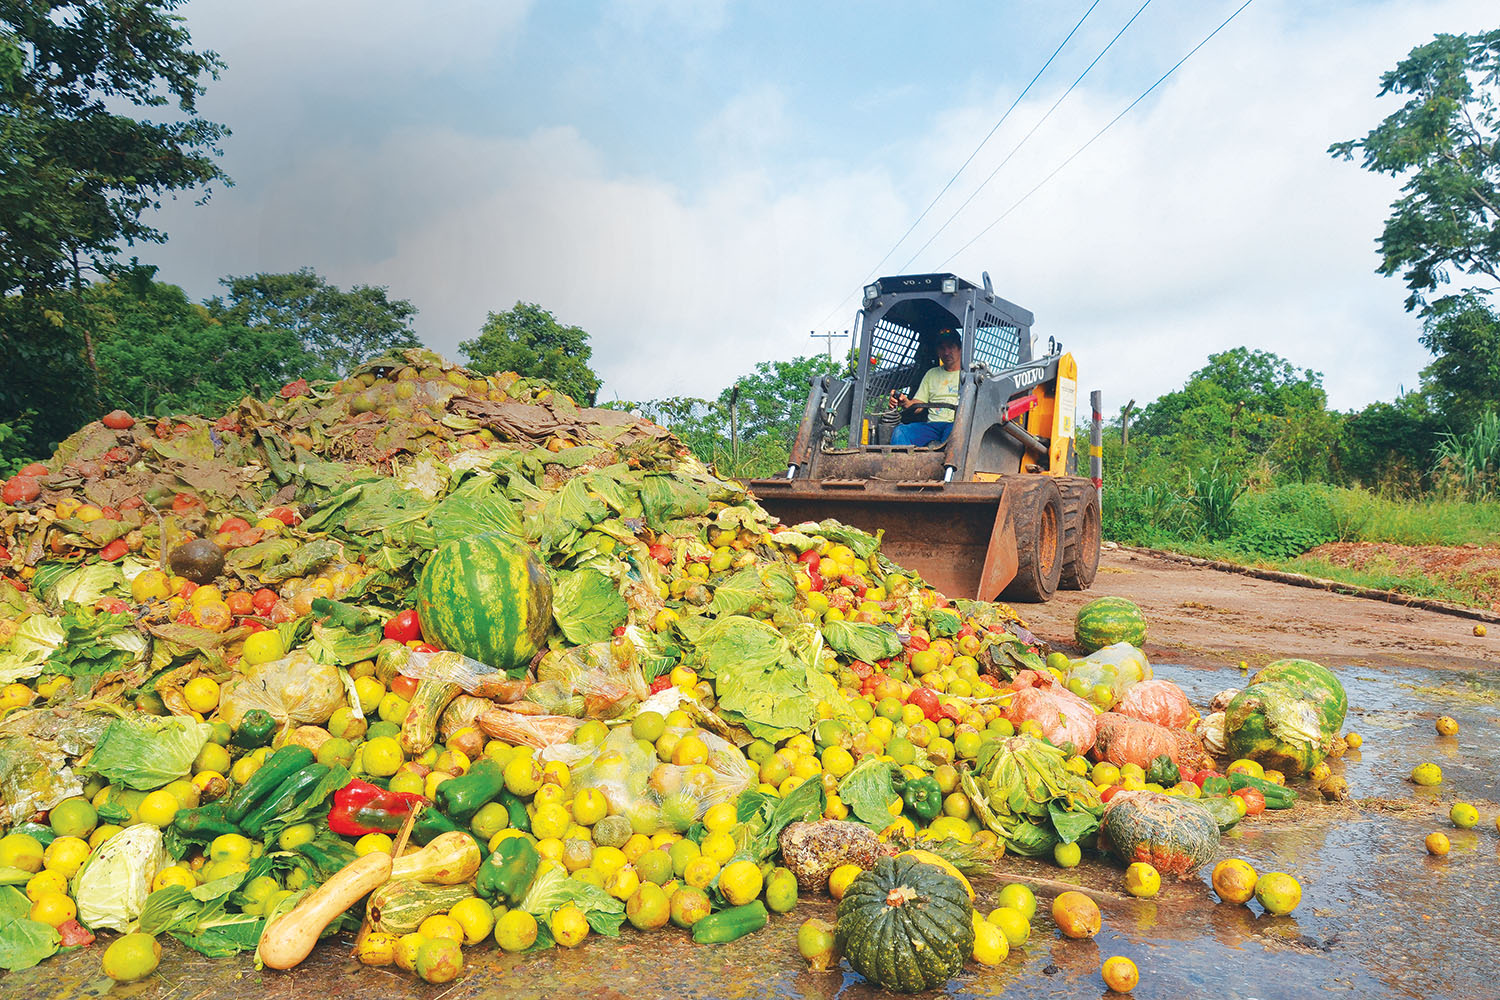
column 1205, row 617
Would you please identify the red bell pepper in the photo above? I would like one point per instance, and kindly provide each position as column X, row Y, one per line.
column 403, row 626
column 360, row 808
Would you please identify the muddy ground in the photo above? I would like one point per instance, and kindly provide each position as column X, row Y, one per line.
column 1379, row 917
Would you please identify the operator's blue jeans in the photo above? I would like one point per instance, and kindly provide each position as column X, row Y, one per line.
column 916, row 435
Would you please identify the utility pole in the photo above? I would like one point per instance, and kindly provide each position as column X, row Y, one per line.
column 1125, row 432
column 829, row 338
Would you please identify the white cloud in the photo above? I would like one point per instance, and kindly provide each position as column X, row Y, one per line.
column 1209, row 218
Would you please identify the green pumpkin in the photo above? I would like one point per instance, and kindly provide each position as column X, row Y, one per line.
column 1273, row 723
column 1314, row 682
column 487, row 597
column 905, row 925
column 1108, row 620
column 1173, row 834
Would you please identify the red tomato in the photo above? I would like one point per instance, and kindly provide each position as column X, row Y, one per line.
column 235, row 524
column 185, row 501
column 114, row 550
column 811, row 559
column 4, row 552
column 131, row 503
column 661, row 553
column 1255, row 802
column 403, row 626
column 109, row 514
column 34, row 469
column 285, row 515
column 240, row 603
column 252, row 625
column 20, row 489
column 1111, row 792
column 927, row 700
column 113, row 606
column 188, row 586
column 263, row 601
column 404, row 686
column 427, row 647
column 861, row 669
column 661, row 683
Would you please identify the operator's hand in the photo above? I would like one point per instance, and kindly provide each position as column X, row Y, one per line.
column 899, row 400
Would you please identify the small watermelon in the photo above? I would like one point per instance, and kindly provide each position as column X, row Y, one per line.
column 1108, row 620
column 1314, row 682
column 487, row 597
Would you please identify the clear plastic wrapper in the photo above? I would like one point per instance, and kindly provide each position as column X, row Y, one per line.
column 1106, row 675
column 651, row 793
column 602, row 680
column 478, row 679
column 296, row 690
column 34, row 777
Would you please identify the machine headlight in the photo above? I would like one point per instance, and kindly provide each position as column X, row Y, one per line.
column 950, row 286
column 872, row 292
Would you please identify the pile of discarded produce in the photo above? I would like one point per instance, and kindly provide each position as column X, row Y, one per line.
column 440, row 659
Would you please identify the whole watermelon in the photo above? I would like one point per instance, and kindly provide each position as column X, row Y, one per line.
column 487, row 597
column 1274, row 723
column 1314, row 682
column 1108, row 620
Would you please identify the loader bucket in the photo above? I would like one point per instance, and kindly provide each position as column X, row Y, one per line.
column 959, row 536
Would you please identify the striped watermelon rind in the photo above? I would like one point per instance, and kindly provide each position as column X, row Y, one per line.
column 1274, row 723
column 1314, row 682
column 1108, row 620
column 488, row 597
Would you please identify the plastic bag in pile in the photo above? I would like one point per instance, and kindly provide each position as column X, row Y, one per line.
column 1105, row 675
column 1159, row 701
column 297, row 690
column 1063, row 716
column 644, row 789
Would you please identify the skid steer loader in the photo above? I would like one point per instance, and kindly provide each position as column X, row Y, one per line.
column 998, row 507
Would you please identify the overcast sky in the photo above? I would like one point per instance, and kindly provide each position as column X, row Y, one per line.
column 700, row 184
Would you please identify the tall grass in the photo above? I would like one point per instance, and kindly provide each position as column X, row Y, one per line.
column 1469, row 463
column 1212, row 494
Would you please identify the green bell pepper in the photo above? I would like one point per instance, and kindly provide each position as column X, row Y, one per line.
column 1163, row 772
column 430, row 824
column 461, row 797
column 520, row 819
column 507, row 873
column 255, row 729
column 922, row 797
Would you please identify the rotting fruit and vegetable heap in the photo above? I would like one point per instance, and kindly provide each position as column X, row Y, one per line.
column 441, row 660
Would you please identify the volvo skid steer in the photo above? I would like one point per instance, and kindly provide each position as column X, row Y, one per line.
column 995, row 509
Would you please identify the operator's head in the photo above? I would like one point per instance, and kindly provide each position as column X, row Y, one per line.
column 950, row 349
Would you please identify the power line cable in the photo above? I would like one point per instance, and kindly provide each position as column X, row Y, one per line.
column 1099, row 133
column 1024, row 138
column 964, row 165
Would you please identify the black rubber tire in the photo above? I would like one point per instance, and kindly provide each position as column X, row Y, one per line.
column 1080, row 563
column 1038, row 521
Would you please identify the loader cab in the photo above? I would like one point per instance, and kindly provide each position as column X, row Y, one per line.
column 898, row 325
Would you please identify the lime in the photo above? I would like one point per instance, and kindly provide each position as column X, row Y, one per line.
column 66, row 855
column 515, row 930
column 991, row 947
column 570, row 926
column 382, row 756
column 1012, row 923
column 439, row 961
column 1018, row 897
column 132, row 957
column 648, row 726
column 1427, row 774
column 648, row 907
column 20, row 850
column 1278, row 892
column 73, row 818
column 740, row 882
column 689, row 905
column 781, row 890
column 476, row 918
column 1463, row 815
column 1067, row 855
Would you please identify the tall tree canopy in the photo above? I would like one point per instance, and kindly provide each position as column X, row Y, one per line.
column 529, row 340
column 1445, row 226
column 80, row 168
column 337, row 329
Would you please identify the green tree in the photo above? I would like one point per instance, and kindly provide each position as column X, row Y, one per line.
column 748, row 429
column 1445, row 226
column 79, row 173
column 1463, row 380
column 1239, row 407
column 529, row 340
column 338, row 330
column 161, row 353
column 1444, row 141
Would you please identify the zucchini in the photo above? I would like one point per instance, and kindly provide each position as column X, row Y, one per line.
column 278, row 767
column 283, row 797
column 731, row 924
column 1276, row 796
